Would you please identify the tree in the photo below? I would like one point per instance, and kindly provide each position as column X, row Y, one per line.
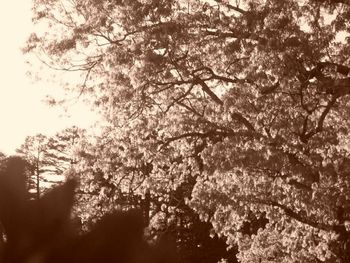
column 33, row 150
column 14, row 174
column 42, row 228
column 249, row 97
column 2, row 237
column 50, row 156
column 60, row 149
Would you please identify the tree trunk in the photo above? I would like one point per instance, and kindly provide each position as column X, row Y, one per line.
column 37, row 178
column 146, row 206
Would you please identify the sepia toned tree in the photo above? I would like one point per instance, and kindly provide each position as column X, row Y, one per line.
column 10, row 167
column 33, row 151
column 41, row 230
column 249, row 97
column 50, row 156
column 60, row 149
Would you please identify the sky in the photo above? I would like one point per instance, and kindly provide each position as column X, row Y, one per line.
column 23, row 111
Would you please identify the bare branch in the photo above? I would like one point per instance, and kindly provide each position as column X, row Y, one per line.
column 234, row 8
column 208, row 91
column 239, row 117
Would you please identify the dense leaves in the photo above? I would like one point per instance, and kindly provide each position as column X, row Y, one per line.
column 250, row 98
column 60, row 149
column 109, row 180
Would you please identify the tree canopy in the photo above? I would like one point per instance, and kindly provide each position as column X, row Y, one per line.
column 250, row 98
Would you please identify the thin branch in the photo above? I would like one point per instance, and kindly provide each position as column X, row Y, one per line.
column 295, row 215
column 190, row 109
column 176, row 100
column 208, row 134
column 304, row 138
column 208, row 91
column 234, row 8
column 239, row 117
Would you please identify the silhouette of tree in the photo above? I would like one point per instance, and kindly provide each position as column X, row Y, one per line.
column 40, row 230
column 17, row 172
column 14, row 177
column 2, row 235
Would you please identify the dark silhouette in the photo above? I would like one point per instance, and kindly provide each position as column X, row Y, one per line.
column 41, row 231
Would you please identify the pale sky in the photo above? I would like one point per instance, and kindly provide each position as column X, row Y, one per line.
column 22, row 110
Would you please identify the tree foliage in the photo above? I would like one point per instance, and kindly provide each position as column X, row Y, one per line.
column 250, row 98
column 60, row 149
column 110, row 180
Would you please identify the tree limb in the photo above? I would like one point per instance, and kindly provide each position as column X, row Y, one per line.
column 305, row 137
column 296, row 216
column 239, row 117
column 208, row 91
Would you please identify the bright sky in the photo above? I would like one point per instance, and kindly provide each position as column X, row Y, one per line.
column 22, row 110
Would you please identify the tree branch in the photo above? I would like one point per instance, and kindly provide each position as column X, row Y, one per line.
column 234, row 8
column 208, row 91
column 296, row 216
column 238, row 117
column 208, row 134
column 305, row 137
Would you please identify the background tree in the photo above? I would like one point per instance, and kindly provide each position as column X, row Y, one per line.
column 2, row 237
column 51, row 157
column 33, row 150
column 44, row 227
column 249, row 97
column 15, row 172
column 2, row 156
column 60, row 149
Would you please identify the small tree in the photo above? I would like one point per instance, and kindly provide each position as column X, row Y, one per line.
column 33, row 150
column 59, row 153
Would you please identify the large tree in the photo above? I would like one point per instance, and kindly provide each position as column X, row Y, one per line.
column 250, row 97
